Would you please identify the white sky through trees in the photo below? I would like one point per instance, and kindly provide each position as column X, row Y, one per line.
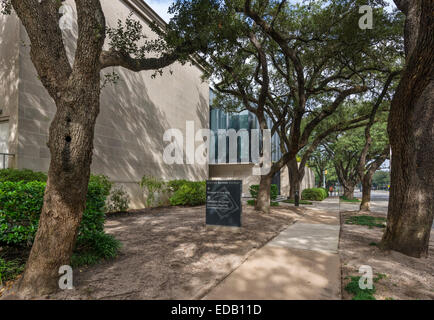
column 161, row 6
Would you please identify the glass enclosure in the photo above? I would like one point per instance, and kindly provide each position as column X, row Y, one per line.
column 244, row 120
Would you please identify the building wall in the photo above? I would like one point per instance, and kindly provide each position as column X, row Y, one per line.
column 9, row 81
column 134, row 114
column 307, row 182
column 228, row 171
column 231, row 171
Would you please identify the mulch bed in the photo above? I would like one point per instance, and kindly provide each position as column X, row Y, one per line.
column 405, row 277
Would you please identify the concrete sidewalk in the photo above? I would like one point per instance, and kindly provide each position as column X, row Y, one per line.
column 302, row 262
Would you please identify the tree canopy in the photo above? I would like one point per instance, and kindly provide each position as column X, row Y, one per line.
column 295, row 64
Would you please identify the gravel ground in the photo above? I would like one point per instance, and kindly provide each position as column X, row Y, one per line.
column 406, row 277
column 169, row 253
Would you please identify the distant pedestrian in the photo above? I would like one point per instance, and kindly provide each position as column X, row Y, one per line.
column 331, row 190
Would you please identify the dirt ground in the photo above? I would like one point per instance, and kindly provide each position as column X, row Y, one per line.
column 406, row 277
column 169, row 253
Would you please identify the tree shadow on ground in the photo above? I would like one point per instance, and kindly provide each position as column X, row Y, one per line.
column 169, row 253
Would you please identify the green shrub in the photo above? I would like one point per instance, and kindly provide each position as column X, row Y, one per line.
column 315, row 194
column 94, row 214
column 102, row 182
column 274, row 191
column 190, row 193
column 94, row 246
column 10, row 269
column 119, row 200
column 181, row 192
column 251, row 202
column 26, row 175
column 152, row 186
column 326, row 192
column 174, row 185
column 21, row 205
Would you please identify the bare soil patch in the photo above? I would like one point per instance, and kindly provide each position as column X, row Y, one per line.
column 169, row 253
column 405, row 277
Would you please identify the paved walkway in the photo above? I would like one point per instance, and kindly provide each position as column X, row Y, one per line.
column 302, row 262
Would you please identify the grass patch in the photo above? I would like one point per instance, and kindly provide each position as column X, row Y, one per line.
column 12, row 262
column 101, row 247
column 9, row 270
column 365, row 220
column 345, row 199
column 373, row 244
column 379, row 277
column 362, row 294
column 300, row 202
column 253, row 202
column 84, row 259
column 359, row 294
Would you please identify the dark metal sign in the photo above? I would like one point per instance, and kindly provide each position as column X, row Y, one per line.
column 223, row 202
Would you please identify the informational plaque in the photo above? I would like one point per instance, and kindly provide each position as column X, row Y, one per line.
column 223, row 202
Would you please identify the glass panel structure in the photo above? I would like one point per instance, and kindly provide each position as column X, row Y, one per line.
column 244, row 120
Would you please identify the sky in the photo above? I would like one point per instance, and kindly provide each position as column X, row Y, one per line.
column 161, row 6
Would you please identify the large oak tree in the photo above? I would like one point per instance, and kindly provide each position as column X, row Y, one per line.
column 293, row 64
column 411, row 202
column 75, row 89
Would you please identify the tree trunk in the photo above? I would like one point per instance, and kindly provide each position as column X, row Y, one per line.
column 293, row 177
column 321, row 179
column 411, row 203
column 349, row 191
column 71, row 144
column 263, row 200
column 366, row 193
column 75, row 90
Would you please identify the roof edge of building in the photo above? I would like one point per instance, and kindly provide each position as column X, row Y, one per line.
column 145, row 11
column 149, row 15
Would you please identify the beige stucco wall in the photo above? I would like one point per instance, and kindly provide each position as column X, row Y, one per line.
column 307, row 182
column 134, row 115
column 9, row 78
column 244, row 172
column 231, row 171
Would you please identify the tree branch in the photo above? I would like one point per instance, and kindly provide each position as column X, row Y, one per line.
column 328, row 111
column 114, row 58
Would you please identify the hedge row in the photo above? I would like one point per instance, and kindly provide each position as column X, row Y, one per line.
column 21, row 204
column 15, row 175
column 274, row 191
column 315, row 194
column 180, row 192
column 187, row 193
